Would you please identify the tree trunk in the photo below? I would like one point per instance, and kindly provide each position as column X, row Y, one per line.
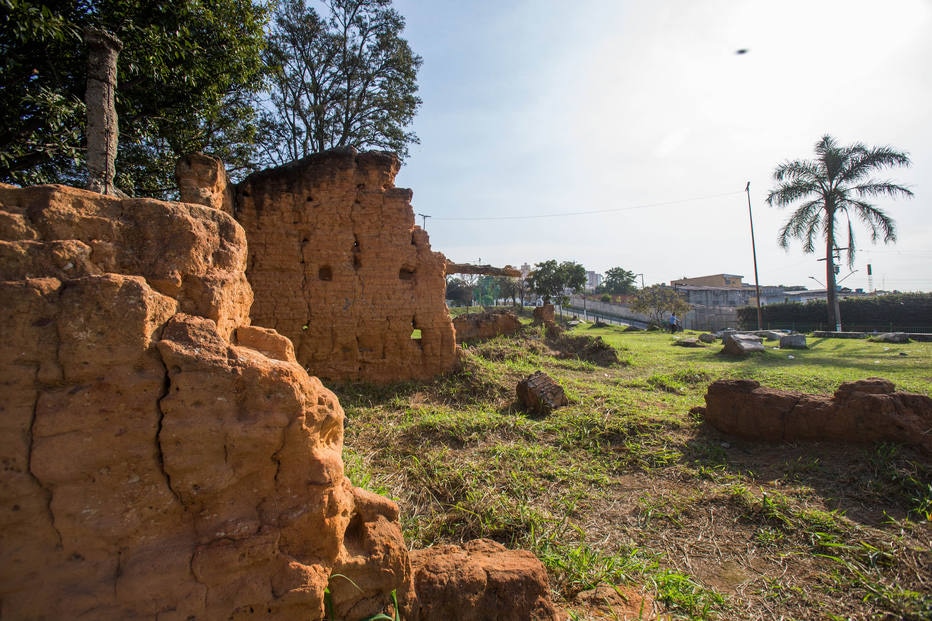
column 102, row 131
column 831, row 291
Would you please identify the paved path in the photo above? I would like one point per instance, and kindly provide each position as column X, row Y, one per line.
column 572, row 310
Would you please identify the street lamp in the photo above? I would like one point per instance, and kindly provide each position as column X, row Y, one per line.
column 760, row 319
column 846, row 277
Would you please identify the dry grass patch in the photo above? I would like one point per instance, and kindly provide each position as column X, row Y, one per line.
column 625, row 487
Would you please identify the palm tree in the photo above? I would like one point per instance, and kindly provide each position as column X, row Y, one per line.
column 833, row 185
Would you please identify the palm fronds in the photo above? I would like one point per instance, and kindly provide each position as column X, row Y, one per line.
column 837, row 182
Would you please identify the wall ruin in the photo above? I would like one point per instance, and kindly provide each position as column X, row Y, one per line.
column 161, row 458
column 867, row 410
column 338, row 265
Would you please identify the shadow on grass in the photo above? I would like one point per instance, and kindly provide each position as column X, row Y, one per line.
column 868, row 483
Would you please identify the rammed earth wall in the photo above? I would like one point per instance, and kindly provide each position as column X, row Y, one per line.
column 338, row 265
column 162, row 458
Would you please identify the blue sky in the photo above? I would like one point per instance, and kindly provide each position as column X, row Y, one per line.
column 620, row 133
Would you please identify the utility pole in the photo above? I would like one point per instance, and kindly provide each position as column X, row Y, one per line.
column 835, row 256
column 836, row 269
column 760, row 318
column 424, row 217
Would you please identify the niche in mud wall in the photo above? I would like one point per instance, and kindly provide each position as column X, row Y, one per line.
column 416, row 333
column 357, row 253
column 407, row 272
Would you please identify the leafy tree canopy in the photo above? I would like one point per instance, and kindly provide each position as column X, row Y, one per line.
column 574, row 276
column 344, row 78
column 458, row 290
column 487, row 290
column 618, row 281
column 658, row 301
column 549, row 279
column 509, row 287
column 185, row 80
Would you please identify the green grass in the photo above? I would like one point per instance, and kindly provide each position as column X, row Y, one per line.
column 626, row 487
column 819, row 369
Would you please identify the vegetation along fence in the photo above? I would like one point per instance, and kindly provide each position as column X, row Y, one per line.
column 899, row 312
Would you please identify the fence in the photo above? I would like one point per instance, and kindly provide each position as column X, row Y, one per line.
column 869, row 328
column 610, row 313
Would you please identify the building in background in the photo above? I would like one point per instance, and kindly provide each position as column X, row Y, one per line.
column 715, row 280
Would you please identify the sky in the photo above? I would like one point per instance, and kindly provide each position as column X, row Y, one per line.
column 620, row 133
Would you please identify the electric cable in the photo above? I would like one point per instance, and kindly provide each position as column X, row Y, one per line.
column 589, row 212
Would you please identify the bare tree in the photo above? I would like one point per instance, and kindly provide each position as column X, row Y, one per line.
column 347, row 79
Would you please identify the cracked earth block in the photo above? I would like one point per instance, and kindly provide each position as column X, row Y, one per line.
column 161, row 458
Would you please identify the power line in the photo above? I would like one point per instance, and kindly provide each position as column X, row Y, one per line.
column 595, row 211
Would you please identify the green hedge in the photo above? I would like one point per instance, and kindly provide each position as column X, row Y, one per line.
column 898, row 312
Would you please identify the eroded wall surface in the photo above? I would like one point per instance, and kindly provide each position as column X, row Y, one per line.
column 161, row 458
column 338, row 265
column 867, row 410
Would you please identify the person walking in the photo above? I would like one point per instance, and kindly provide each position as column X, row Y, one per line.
column 673, row 322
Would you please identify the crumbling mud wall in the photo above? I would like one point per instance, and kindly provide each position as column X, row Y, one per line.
column 203, row 180
column 161, row 458
column 485, row 325
column 867, row 410
column 338, row 265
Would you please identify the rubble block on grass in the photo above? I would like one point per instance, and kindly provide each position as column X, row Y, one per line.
column 890, row 337
column 689, row 341
column 544, row 314
column 481, row 580
column 740, row 344
column 770, row 335
column 793, row 341
column 539, row 394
